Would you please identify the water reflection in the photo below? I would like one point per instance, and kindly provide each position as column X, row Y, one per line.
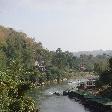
column 61, row 104
column 52, row 103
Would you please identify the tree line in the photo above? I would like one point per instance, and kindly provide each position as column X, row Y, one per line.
column 24, row 62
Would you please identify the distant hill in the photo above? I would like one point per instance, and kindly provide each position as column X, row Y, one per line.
column 94, row 53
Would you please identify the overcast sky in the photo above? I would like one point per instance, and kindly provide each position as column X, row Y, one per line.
column 73, row 25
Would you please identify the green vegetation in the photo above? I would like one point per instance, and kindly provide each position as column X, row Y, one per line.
column 104, row 83
column 12, row 89
column 25, row 63
column 106, row 76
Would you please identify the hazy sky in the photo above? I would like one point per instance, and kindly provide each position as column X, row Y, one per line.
column 69, row 24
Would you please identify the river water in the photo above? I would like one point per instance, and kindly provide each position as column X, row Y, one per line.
column 52, row 103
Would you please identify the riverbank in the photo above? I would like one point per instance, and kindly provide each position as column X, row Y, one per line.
column 72, row 76
column 91, row 101
column 46, row 85
column 91, row 96
column 53, row 103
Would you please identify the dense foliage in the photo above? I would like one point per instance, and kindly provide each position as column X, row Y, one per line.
column 24, row 62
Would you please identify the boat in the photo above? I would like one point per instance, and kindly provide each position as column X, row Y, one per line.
column 57, row 93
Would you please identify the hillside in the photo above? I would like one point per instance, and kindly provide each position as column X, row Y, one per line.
column 94, row 53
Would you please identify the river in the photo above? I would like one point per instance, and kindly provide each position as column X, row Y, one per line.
column 52, row 103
